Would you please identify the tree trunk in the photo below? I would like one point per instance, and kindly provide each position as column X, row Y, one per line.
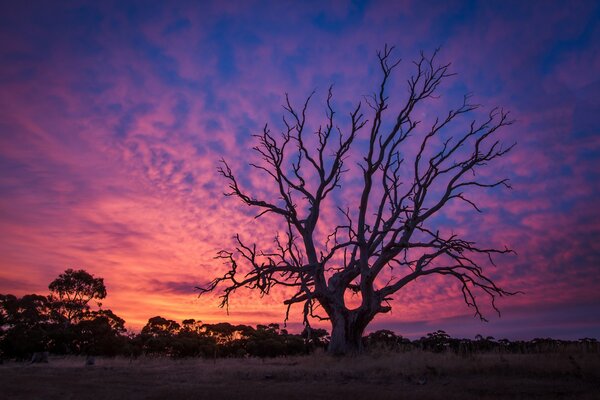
column 346, row 334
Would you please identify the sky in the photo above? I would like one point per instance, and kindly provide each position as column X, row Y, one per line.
column 114, row 116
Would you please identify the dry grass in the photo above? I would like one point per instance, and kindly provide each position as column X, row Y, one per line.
column 413, row 375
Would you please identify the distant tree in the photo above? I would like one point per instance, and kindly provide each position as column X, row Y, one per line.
column 264, row 343
column 25, row 325
column 409, row 172
column 193, row 341
column 224, row 332
column 7, row 310
column 29, row 310
column 315, row 337
column 191, row 326
column 100, row 333
column 386, row 339
column 293, row 344
column 159, row 326
column 158, row 335
column 3, row 320
column 437, row 341
column 484, row 343
column 73, row 290
column 116, row 323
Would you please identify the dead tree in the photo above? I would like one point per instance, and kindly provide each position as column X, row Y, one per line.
column 388, row 227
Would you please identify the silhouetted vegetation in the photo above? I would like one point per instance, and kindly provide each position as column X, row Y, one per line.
column 63, row 323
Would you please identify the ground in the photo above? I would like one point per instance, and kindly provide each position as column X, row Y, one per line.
column 411, row 375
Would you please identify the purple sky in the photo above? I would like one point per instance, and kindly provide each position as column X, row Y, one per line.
column 113, row 116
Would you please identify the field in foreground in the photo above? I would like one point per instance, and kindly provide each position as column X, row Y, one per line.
column 412, row 375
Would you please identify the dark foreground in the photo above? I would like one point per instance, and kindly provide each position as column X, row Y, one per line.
column 413, row 375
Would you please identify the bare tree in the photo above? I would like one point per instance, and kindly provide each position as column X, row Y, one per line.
column 388, row 228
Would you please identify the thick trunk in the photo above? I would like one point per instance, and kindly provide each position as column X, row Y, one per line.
column 346, row 334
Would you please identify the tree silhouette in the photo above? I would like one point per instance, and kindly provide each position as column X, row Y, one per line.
column 74, row 290
column 24, row 325
column 157, row 335
column 387, row 237
column 159, row 326
column 100, row 333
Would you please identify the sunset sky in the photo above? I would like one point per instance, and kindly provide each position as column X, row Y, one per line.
column 114, row 115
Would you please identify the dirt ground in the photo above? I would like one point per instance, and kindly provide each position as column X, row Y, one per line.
column 415, row 375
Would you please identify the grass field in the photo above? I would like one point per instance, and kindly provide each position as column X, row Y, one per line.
column 412, row 375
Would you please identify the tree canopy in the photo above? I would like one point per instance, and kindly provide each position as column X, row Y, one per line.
column 74, row 289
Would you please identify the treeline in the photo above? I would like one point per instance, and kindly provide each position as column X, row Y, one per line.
column 439, row 341
column 64, row 323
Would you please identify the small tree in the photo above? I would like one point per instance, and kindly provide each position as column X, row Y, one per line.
column 73, row 290
column 390, row 225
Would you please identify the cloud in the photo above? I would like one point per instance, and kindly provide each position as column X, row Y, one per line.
column 178, row 287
